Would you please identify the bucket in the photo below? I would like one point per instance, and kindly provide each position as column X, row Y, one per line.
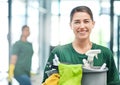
column 94, row 76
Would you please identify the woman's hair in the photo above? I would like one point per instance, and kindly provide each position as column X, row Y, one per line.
column 24, row 26
column 81, row 9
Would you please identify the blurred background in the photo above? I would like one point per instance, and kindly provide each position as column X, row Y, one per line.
column 49, row 25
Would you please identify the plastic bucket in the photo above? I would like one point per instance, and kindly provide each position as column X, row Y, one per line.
column 94, row 77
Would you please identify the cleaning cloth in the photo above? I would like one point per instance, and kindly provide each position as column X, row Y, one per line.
column 52, row 80
column 70, row 74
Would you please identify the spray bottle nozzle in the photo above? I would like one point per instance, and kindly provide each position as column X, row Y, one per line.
column 91, row 54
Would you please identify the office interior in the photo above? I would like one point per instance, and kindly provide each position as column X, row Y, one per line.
column 49, row 26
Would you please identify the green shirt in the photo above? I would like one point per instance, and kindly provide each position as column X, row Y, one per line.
column 24, row 52
column 67, row 54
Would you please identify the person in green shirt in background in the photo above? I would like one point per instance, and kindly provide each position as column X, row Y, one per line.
column 20, row 62
column 82, row 23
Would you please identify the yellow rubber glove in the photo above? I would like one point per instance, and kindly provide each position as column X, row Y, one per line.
column 11, row 72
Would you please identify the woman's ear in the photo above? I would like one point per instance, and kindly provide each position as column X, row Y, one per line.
column 93, row 24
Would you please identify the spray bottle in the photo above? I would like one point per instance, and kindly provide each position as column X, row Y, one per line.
column 91, row 54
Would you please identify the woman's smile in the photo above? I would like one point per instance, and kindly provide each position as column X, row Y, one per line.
column 82, row 31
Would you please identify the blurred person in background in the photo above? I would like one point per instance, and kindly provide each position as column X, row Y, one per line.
column 21, row 58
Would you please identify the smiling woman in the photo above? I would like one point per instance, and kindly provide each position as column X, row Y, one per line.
column 82, row 23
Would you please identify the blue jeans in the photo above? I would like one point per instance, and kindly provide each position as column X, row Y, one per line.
column 23, row 80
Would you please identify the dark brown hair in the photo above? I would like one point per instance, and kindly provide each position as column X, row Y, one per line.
column 24, row 26
column 81, row 9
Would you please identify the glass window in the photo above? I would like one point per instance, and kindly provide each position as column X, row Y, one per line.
column 33, row 20
column 4, row 48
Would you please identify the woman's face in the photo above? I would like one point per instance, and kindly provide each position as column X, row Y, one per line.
column 26, row 32
column 82, row 25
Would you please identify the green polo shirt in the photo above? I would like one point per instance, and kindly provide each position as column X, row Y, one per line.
column 24, row 52
column 67, row 54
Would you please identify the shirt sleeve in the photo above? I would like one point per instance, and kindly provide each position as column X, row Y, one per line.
column 112, row 74
column 15, row 49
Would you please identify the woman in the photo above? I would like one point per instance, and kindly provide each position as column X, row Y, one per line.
column 82, row 23
column 20, row 64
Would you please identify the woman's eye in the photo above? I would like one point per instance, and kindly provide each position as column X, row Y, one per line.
column 86, row 21
column 76, row 22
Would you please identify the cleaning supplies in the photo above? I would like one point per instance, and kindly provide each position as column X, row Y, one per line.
column 91, row 54
column 86, row 64
column 70, row 74
column 103, row 66
column 56, row 60
column 52, row 79
column 55, row 63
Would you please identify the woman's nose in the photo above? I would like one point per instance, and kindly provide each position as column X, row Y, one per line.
column 82, row 25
